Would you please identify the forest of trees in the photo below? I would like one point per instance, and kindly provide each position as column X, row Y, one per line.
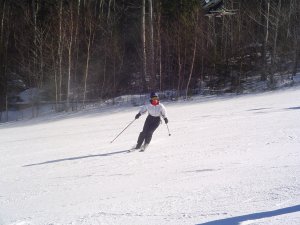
column 83, row 50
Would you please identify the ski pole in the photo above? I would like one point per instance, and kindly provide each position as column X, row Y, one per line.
column 123, row 130
column 167, row 126
column 168, row 129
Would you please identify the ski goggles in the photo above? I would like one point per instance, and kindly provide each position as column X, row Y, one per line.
column 154, row 98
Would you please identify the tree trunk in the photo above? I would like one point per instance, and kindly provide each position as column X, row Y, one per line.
column 104, row 74
column 152, row 66
column 296, row 58
column 60, row 51
column 145, row 75
column 193, row 59
column 70, row 52
column 55, row 78
column 159, row 50
column 266, row 20
column 179, row 60
column 288, row 33
column 3, row 82
column 274, row 53
column 87, row 62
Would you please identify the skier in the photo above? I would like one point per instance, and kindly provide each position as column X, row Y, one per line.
column 155, row 111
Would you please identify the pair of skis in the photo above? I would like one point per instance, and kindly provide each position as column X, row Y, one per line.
column 142, row 149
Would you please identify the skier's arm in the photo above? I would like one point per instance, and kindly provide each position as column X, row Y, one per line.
column 163, row 113
column 142, row 111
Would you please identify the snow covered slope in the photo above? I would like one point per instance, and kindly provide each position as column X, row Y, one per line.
column 229, row 161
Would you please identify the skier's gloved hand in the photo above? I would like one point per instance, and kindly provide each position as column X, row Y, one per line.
column 166, row 120
column 137, row 116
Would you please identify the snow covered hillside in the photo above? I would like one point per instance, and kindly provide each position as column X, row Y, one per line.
column 229, row 161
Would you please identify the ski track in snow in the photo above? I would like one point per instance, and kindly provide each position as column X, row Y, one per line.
column 229, row 161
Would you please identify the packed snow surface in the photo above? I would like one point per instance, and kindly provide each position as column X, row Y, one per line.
column 228, row 161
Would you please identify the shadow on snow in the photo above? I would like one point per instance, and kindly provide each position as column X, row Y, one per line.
column 76, row 158
column 293, row 108
column 239, row 219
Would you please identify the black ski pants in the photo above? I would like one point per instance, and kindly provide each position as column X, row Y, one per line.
column 150, row 126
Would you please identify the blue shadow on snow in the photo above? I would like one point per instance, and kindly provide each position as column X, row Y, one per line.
column 239, row 219
column 76, row 158
column 293, row 108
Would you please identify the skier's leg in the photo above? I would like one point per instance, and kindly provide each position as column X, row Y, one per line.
column 148, row 138
column 141, row 139
column 142, row 135
column 150, row 131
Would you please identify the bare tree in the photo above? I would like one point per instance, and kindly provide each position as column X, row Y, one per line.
column 4, row 34
column 159, row 44
column 194, row 54
column 145, row 74
column 274, row 53
column 89, row 38
column 151, row 24
column 296, row 37
column 60, row 52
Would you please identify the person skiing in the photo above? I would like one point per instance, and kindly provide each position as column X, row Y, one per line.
column 155, row 111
